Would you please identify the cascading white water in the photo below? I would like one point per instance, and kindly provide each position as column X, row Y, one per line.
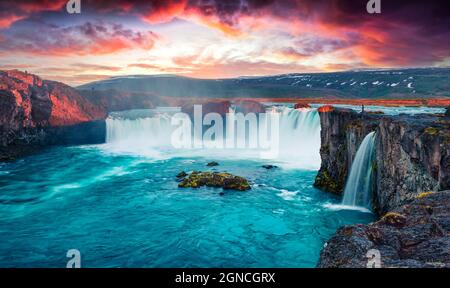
column 299, row 137
column 357, row 192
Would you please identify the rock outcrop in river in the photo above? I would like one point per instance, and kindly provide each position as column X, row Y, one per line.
column 223, row 180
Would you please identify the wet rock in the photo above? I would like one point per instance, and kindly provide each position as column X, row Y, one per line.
column 269, row 167
column 413, row 235
column 215, row 179
column 212, row 164
column 182, row 174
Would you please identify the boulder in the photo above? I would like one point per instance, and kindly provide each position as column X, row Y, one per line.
column 414, row 235
column 223, row 180
column 269, row 167
column 212, row 164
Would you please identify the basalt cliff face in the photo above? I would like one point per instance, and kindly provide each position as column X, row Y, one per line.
column 36, row 112
column 341, row 134
column 412, row 153
column 412, row 163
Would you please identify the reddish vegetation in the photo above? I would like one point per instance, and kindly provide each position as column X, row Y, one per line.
column 302, row 105
column 326, row 108
column 432, row 102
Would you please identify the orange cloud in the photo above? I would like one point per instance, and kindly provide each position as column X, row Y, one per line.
column 164, row 11
column 11, row 12
column 7, row 21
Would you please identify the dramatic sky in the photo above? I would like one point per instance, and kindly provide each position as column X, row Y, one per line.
column 218, row 39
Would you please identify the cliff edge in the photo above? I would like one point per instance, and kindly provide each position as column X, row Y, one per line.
column 31, row 109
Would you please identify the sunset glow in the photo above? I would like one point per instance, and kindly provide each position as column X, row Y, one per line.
column 217, row 39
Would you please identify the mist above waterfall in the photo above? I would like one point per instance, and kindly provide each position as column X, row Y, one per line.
column 150, row 136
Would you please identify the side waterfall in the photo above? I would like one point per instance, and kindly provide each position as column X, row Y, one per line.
column 359, row 183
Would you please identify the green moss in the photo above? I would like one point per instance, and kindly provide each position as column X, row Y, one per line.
column 424, row 194
column 374, row 166
column 394, row 219
column 432, row 131
column 215, row 179
column 325, row 181
column 325, row 149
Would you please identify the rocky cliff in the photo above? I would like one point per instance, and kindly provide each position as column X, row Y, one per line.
column 342, row 131
column 32, row 109
column 412, row 163
column 412, row 154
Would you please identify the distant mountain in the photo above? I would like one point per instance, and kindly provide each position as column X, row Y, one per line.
column 374, row 84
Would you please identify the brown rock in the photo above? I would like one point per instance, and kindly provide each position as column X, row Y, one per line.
column 302, row 106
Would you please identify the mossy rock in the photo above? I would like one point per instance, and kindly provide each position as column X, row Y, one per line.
column 394, row 219
column 223, row 180
column 324, row 180
column 424, row 194
column 432, row 131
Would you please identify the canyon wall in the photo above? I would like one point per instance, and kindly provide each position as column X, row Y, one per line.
column 412, row 154
column 412, row 168
column 36, row 113
column 342, row 131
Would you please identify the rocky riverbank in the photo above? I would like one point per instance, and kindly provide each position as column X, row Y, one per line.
column 415, row 235
column 412, row 164
column 412, row 153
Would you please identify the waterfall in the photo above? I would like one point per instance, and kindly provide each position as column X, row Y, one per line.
column 299, row 136
column 359, row 183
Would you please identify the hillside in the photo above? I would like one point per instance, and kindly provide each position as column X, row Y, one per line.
column 379, row 84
